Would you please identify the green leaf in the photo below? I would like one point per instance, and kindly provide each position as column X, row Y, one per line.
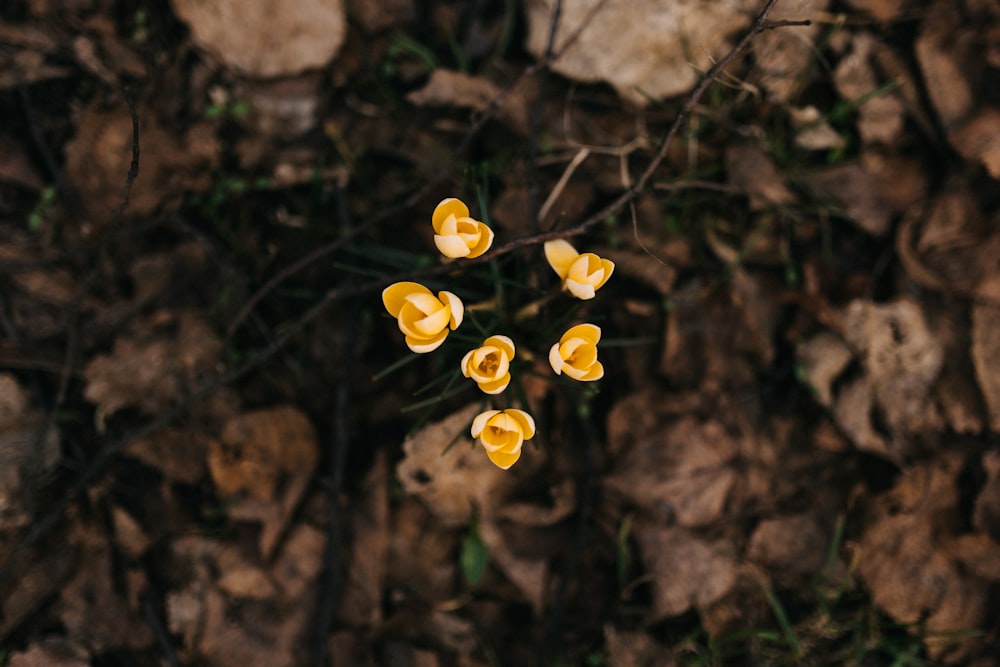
column 474, row 556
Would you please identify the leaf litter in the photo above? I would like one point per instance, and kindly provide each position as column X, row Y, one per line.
column 802, row 397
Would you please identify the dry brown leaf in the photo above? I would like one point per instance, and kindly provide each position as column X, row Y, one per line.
column 129, row 535
column 635, row 649
column 156, row 274
column 822, row 359
column 267, row 39
column 99, row 155
column 414, row 530
column 986, row 514
column 901, row 356
column 449, row 88
column 903, row 560
column 812, row 131
column 752, row 171
column 795, row 545
column 656, row 57
column 881, row 115
column 884, row 11
column 250, row 633
column 153, row 368
column 262, row 465
column 378, row 15
column 979, row 139
column 852, row 411
column 92, row 609
column 51, row 652
column 39, row 580
column 852, row 186
column 462, row 482
column 29, row 449
column 782, row 56
column 300, row 561
column 986, row 355
column 681, row 469
column 944, row 73
column 687, row 571
column 979, row 554
column 179, row 453
column 527, row 573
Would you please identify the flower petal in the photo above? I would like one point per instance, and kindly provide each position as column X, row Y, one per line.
column 560, row 255
column 556, row 360
column 446, row 207
column 424, row 345
column 394, row 296
column 485, row 241
column 583, row 291
column 479, row 423
column 609, row 268
column 596, row 372
column 502, row 460
column 451, row 246
column 433, row 324
column 465, row 362
column 502, row 342
column 526, row 421
column 455, row 307
column 589, row 332
column 495, row 386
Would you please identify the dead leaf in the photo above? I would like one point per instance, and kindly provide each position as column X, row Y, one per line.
column 635, row 649
column 266, row 39
column 852, row 186
column 657, row 57
column 129, row 535
column 986, row 355
column 822, row 359
column 250, row 633
column 880, row 114
column 431, row 576
column 449, row 88
column 179, row 453
column 884, row 11
column 784, row 55
column 29, row 449
column 462, row 482
column 938, row 51
column 901, row 356
column 791, row 545
column 51, row 652
column 529, row 574
column 978, row 139
column 812, row 131
column 300, row 561
column 99, row 155
column 752, row 171
column 262, row 464
column 361, row 599
column 986, row 514
column 153, row 368
column 381, row 15
column 687, row 571
column 680, row 469
column 903, row 560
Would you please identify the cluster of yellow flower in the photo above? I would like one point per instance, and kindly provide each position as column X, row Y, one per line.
column 426, row 320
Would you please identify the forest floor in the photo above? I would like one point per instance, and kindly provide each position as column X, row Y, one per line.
column 216, row 447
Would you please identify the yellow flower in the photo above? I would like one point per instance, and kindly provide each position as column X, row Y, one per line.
column 576, row 353
column 582, row 275
column 489, row 365
column 458, row 235
column 502, row 432
column 423, row 317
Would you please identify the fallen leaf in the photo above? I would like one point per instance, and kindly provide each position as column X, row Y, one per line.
column 880, row 113
column 978, row 139
column 986, row 513
column 904, row 562
column 51, row 652
column 884, row 11
column 986, row 355
column 822, row 359
column 129, row 535
column 752, row 171
column 635, row 649
column 681, row 469
column 449, row 88
column 687, row 571
column 431, row 576
column 852, row 186
column 266, row 39
column 782, row 56
column 791, row 545
column 660, row 56
column 944, row 73
column 361, row 598
column 812, row 131
column 153, row 368
column 901, row 356
column 179, row 453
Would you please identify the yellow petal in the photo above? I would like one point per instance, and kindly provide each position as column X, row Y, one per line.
column 479, row 423
column 502, row 342
column 596, row 372
column 424, row 345
column 465, row 362
column 560, row 255
column 503, row 461
column 394, row 296
column 433, row 323
column 446, row 207
column 584, row 267
column 451, row 246
column 586, row 331
column 609, row 268
column 526, row 421
column 555, row 359
column 495, row 386
column 455, row 307
column 485, row 241
column 583, row 291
